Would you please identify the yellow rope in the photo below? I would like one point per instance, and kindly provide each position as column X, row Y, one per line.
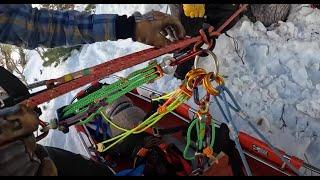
column 166, row 96
column 111, row 123
column 179, row 99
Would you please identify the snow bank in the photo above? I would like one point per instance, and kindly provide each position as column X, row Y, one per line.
column 281, row 68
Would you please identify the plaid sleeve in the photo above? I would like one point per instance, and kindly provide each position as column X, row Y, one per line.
column 29, row 27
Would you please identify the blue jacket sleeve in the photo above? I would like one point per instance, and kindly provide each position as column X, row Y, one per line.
column 22, row 25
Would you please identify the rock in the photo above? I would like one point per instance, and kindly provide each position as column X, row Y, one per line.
column 270, row 13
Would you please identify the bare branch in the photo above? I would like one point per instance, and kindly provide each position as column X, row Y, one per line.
column 10, row 64
column 23, row 60
column 236, row 47
column 284, row 125
column 40, row 54
column 16, row 69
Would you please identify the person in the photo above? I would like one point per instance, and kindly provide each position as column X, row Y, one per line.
column 194, row 16
column 28, row 27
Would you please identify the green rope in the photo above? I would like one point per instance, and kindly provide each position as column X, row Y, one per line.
column 213, row 133
column 200, row 136
column 130, row 87
column 114, row 97
column 185, row 151
column 113, row 91
column 106, row 89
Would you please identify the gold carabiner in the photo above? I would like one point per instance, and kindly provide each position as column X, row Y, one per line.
column 192, row 75
column 207, row 83
column 192, row 72
column 204, row 109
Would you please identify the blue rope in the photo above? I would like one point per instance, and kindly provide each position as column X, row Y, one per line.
column 236, row 107
column 229, row 120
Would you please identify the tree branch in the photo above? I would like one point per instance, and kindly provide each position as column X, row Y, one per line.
column 236, row 47
column 284, row 125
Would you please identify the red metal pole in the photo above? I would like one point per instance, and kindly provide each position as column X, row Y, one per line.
column 231, row 18
column 263, row 151
column 105, row 69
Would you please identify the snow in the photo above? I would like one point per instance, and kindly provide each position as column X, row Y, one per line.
column 281, row 68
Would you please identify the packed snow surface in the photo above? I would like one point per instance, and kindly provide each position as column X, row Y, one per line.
column 282, row 69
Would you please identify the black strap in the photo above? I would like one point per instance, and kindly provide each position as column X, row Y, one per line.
column 12, row 85
column 172, row 130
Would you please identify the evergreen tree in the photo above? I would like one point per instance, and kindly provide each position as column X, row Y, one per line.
column 14, row 65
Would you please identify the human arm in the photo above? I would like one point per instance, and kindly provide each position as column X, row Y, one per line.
column 22, row 25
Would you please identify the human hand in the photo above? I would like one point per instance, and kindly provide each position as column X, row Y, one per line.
column 17, row 143
column 15, row 122
column 153, row 27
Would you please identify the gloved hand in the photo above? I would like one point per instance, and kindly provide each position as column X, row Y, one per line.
column 194, row 10
column 153, row 27
column 18, row 149
column 15, row 122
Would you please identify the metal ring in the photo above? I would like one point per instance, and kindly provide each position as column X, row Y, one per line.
column 196, row 75
column 214, row 58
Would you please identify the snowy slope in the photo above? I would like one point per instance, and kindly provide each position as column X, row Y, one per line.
column 282, row 66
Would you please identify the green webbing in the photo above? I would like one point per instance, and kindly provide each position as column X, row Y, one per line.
column 109, row 100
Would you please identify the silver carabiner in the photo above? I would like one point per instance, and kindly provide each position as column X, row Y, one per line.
column 213, row 57
column 166, row 67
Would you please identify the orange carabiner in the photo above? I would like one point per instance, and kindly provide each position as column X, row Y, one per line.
column 194, row 71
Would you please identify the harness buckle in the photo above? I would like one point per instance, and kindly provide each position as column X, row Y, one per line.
column 155, row 132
